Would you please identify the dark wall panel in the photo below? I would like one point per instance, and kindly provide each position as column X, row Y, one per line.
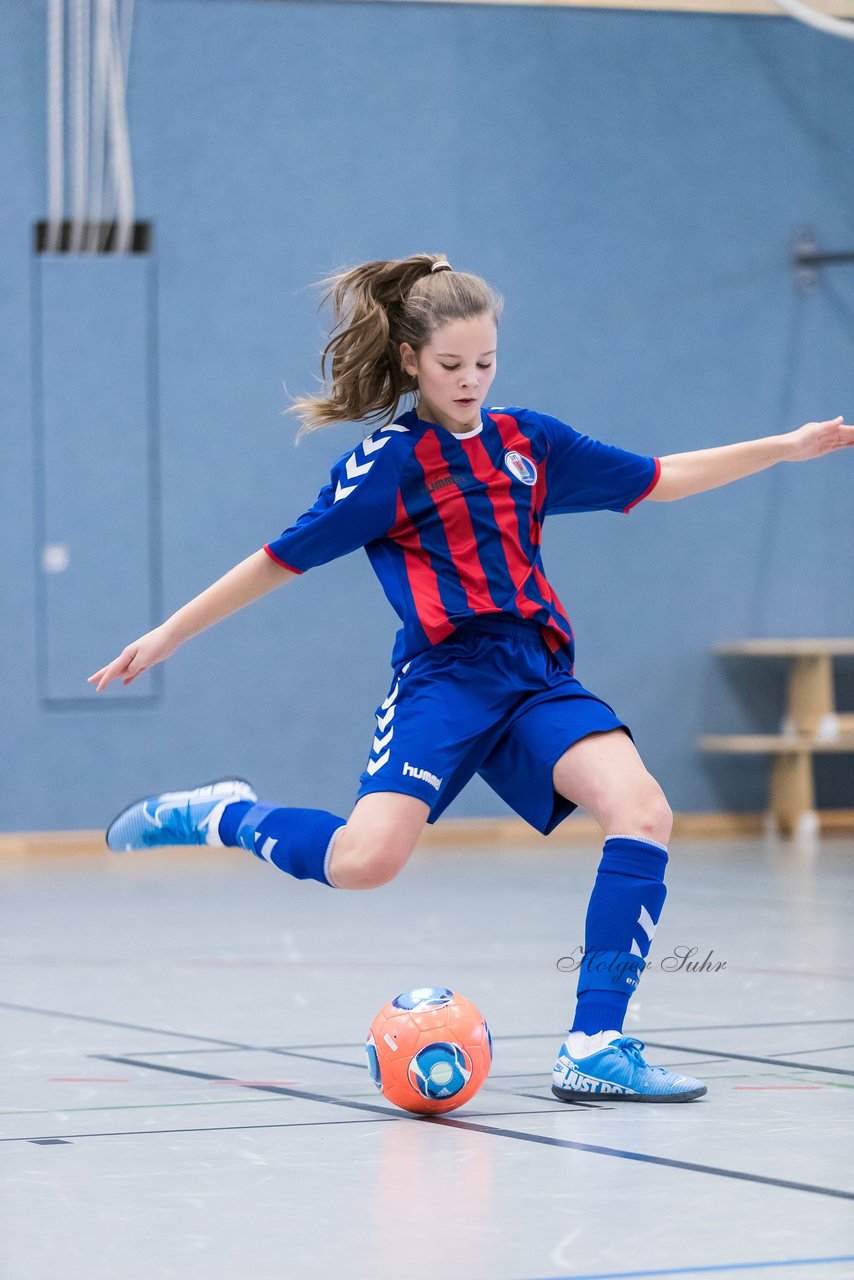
column 96, row 432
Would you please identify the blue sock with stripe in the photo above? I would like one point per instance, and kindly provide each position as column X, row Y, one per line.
column 624, row 909
column 298, row 841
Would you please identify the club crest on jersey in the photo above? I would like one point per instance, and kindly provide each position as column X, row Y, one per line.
column 520, row 467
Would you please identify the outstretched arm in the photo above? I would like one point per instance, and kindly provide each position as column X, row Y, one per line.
column 685, row 473
column 247, row 581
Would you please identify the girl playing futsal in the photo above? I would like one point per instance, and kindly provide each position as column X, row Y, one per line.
column 448, row 500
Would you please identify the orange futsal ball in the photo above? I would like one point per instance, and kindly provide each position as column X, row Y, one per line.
column 429, row 1050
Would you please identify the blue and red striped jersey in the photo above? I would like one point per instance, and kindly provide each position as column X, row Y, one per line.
column 452, row 524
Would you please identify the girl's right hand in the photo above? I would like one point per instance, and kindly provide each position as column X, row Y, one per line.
column 136, row 658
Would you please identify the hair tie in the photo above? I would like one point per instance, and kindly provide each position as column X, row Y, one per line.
column 441, row 266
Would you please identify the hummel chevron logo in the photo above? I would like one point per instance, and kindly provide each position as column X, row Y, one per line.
column 380, row 744
column 391, row 697
column 371, row 445
column 645, row 922
column 354, row 468
column 373, row 765
column 267, row 849
column 384, row 721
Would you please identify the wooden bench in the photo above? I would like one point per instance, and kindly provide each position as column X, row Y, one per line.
column 811, row 724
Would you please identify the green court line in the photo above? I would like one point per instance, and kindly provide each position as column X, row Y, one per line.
column 236, row 1102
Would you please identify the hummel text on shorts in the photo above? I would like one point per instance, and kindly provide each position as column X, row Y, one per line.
column 422, row 774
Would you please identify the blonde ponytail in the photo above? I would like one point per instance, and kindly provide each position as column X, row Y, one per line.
column 377, row 306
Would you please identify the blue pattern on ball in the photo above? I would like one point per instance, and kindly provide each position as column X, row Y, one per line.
column 373, row 1060
column 440, row 1070
column 423, row 998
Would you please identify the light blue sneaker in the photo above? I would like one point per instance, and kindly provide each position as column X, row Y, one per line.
column 176, row 817
column 619, row 1072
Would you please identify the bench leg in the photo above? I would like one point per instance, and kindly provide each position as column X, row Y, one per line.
column 793, row 794
column 810, row 708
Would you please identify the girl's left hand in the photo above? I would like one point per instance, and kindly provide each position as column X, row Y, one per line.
column 814, row 439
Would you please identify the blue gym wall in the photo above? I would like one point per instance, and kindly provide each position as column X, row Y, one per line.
column 632, row 183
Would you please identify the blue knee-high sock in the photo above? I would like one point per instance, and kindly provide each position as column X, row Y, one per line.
column 624, row 909
column 298, row 841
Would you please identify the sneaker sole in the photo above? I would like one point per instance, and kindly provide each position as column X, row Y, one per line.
column 578, row 1095
column 216, row 782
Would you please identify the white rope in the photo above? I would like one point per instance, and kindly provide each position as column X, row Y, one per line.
column 100, row 73
column 55, row 124
column 101, row 173
column 120, row 142
column 79, row 87
column 126, row 24
column 821, row 21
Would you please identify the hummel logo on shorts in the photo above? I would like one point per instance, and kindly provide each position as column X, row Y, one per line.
column 422, row 774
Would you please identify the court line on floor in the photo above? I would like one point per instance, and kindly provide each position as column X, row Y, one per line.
column 473, row 1127
column 469, row 1125
column 68, row 1139
column 300, row 1054
column 251, row 1048
column 309, row 1096
column 127, row 1026
column 716, row 1026
column 715, row 1057
column 747, row 1057
column 243, row 1102
column 585, row 1106
column 217, row 1128
column 297, row 1051
column 826, row 1048
column 643, row 1158
column 705, row 1270
column 304, row 1094
column 142, row 1106
column 284, row 1052
column 284, row 1049
column 233, row 1102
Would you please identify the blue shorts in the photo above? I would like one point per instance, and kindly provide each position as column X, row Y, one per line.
column 491, row 699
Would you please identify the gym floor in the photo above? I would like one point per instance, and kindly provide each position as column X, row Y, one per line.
column 186, row 1091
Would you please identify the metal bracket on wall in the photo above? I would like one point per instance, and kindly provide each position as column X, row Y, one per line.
column 90, row 237
column 808, row 260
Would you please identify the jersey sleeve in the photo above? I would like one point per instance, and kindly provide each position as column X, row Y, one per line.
column 356, row 506
column 583, row 474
